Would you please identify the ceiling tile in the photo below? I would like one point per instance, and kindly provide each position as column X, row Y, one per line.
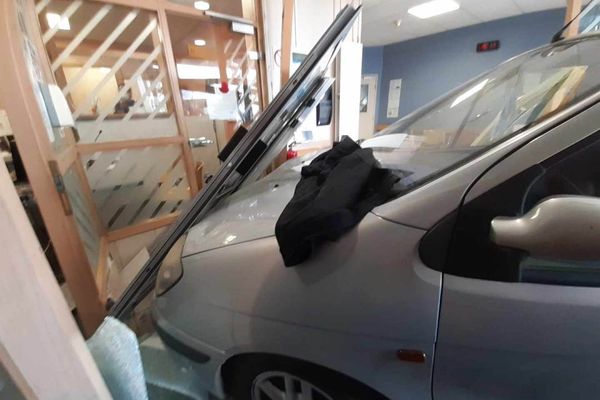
column 382, row 11
column 490, row 10
column 385, row 8
column 370, row 4
column 539, row 5
column 379, row 17
column 455, row 19
column 412, row 28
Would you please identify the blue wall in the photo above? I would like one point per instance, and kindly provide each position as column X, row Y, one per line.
column 431, row 65
column 372, row 62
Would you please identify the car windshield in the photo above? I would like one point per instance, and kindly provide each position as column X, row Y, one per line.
column 516, row 95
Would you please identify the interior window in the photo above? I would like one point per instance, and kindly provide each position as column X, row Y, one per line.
column 575, row 171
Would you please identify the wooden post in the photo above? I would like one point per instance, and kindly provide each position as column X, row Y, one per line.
column 188, row 158
column 39, row 340
column 286, row 40
column 252, row 9
column 573, row 8
column 221, row 30
column 286, row 57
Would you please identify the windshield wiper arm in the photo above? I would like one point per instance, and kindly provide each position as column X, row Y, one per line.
column 558, row 36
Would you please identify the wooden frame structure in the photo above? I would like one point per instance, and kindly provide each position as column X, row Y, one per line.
column 28, row 125
column 41, row 348
column 44, row 164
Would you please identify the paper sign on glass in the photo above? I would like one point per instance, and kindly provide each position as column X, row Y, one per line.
column 394, row 98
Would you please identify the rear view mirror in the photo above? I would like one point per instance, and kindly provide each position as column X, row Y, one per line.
column 559, row 228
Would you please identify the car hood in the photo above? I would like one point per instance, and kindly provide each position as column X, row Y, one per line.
column 249, row 152
column 248, row 214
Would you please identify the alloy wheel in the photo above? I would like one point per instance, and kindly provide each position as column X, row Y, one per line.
column 277, row 385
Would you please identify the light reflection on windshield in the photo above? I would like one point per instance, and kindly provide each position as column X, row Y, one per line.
column 516, row 95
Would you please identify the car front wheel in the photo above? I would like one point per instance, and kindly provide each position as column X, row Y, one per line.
column 276, row 385
column 281, row 378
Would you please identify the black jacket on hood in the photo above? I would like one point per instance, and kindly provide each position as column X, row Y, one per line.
column 335, row 192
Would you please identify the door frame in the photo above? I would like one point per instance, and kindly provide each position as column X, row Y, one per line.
column 31, row 136
column 375, row 78
column 43, row 164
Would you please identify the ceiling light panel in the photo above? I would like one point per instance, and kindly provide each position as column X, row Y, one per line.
column 201, row 5
column 433, row 8
column 55, row 20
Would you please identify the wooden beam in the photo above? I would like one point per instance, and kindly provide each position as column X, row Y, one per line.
column 285, row 62
column 573, row 9
column 143, row 4
column 87, row 148
column 286, row 40
column 102, row 270
column 221, row 32
column 260, row 41
column 38, row 336
column 36, row 151
column 148, row 225
column 160, row 61
column 188, row 159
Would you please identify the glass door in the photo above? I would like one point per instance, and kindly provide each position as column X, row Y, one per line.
column 218, row 74
column 109, row 62
column 122, row 165
column 49, row 155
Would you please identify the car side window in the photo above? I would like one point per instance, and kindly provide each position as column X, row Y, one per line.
column 574, row 171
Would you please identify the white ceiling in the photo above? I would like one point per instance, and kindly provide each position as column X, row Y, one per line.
column 379, row 16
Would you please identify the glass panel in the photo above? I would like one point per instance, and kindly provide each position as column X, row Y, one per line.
column 109, row 62
column 32, row 57
column 590, row 19
column 61, row 139
column 364, row 98
column 516, row 95
column 218, row 78
column 88, row 232
column 130, row 186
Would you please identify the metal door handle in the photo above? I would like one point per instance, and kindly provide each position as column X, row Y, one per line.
column 200, row 142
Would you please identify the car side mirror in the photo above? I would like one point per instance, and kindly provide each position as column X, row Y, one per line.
column 560, row 228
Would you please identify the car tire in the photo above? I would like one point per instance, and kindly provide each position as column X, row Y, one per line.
column 248, row 378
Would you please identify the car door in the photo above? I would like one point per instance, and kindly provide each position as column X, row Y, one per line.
column 515, row 326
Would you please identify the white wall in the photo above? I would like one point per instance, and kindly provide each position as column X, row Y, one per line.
column 349, row 81
column 272, row 15
column 311, row 19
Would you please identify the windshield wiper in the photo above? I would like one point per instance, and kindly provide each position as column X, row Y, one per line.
column 558, row 36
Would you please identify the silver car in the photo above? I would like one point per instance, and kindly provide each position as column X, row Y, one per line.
column 481, row 279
